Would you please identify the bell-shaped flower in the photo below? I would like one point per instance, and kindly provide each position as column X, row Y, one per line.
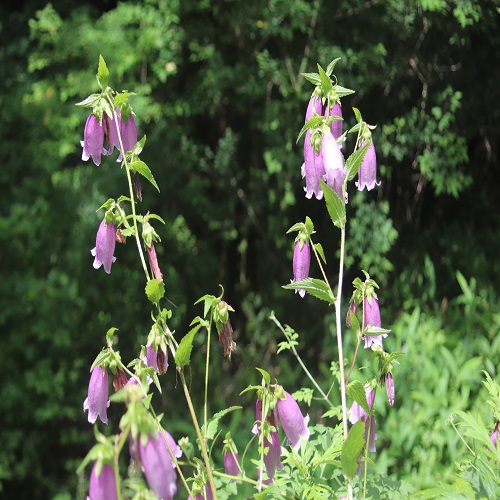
column 128, row 131
column 157, row 464
column 153, row 261
column 389, row 388
column 494, row 435
column 371, row 316
column 104, row 246
column 367, row 173
column 353, row 308
column 112, row 127
column 314, row 106
column 156, row 359
column 333, row 162
column 97, row 400
column 102, row 484
column 356, row 413
column 272, row 459
column 231, row 466
column 301, row 263
column 292, row 421
column 93, row 140
column 312, row 169
column 336, row 125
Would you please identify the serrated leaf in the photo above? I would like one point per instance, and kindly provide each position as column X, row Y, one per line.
column 326, row 83
column 342, row 91
column 122, row 98
column 90, row 101
column 330, row 67
column 309, row 226
column 213, row 423
column 141, row 168
column 334, row 205
column 355, row 160
column 357, row 114
column 356, row 391
column 319, row 249
column 315, row 287
column 155, row 290
column 312, row 77
column 311, row 123
column 352, row 448
column 102, row 73
column 183, row 353
column 296, row 227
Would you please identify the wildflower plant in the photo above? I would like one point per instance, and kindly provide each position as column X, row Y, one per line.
column 287, row 455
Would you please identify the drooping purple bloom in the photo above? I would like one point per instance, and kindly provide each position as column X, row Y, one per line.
column 104, row 246
column 97, row 400
column 103, row 485
column 314, row 106
column 153, row 262
column 301, row 263
column 333, row 162
column 157, row 360
column 352, row 308
column 336, row 125
column 356, row 413
column 158, row 466
column 231, row 460
column 312, row 169
column 389, row 388
column 494, row 434
column 93, row 140
column 371, row 316
column 128, row 131
column 367, row 173
column 272, row 458
column 292, row 421
column 112, row 132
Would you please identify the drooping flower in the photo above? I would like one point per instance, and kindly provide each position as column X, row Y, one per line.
column 112, row 132
column 128, row 131
column 103, row 484
column 158, row 466
column 494, row 434
column 301, row 263
column 231, row 465
column 156, row 359
column 119, row 380
column 97, row 400
column 356, row 413
column 336, row 125
column 292, row 421
column 367, row 173
column 272, row 458
column 333, row 162
column 352, row 308
column 104, row 246
column 312, row 169
column 389, row 388
column 153, row 261
column 314, row 106
column 93, row 140
column 226, row 339
column 371, row 316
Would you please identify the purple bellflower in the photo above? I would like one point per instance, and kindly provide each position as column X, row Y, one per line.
column 272, row 459
column 292, row 421
column 336, row 126
column 97, row 400
column 333, row 162
column 158, row 360
column 314, row 106
column 494, row 434
column 112, row 132
column 93, row 140
column 104, row 246
column 301, row 263
column 128, row 132
column 356, row 413
column 352, row 308
column 231, row 466
column 102, row 485
column 367, row 173
column 389, row 388
column 371, row 316
column 313, row 169
column 158, row 466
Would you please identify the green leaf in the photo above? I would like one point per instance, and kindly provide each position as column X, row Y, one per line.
column 311, row 123
column 90, row 101
column 213, row 423
column 155, row 290
column 265, row 375
column 355, row 160
column 356, row 391
column 122, row 98
column 102, row 73
column 334, row 205
column 352, row 449
column 183, row 353
column 312, row 77
column 141, row 168
column 326, row 83
column 330, row 67
column 319, row 249
column 316, row 288
column 342, row 91
column 296, row 227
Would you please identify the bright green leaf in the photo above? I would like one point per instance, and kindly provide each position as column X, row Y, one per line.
column 141, row 168
column 155, row 290
column 183, row 353
column 316, row 288
column 334, row 205
column 352, row 449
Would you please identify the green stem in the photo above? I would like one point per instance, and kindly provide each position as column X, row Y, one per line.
column 235, row 478
column 198, row 432
column 207, row 364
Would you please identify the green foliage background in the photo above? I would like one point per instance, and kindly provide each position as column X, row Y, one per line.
column 221, row 102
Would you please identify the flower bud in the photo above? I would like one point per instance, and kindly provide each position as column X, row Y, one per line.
column 301, row 263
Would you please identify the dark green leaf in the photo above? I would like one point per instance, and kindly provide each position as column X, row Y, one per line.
column 334, row 205
column 356, row 391
column 352, row 449
column 141, row 168
column 316, row 288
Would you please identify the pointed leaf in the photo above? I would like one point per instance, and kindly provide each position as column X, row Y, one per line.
column 326, row 83
column 102, row 73
column 90, row 101
column 355, row 160
column 155, row 290
column 356, row 391
column 312, row 77
column 141, row 168
column 352, row 448
column 265, row 375
column 342, row 91
column 330, row 67
column 319, row 249
column 316, row 288
column 311, row 123
column 213, row 423
column 335, row 206
column 183, row 353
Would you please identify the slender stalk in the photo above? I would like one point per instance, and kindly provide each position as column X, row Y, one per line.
column 353, row 361
column 198, row 432
column 235, row 478
column 207, row 363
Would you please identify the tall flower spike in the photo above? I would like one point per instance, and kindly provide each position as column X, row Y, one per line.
column 128, row 132
column 301, row 263
column 97, row 400
column 158, row 466
column 103, row 485
column 292, row 421
column 371, row 316
column 93, row 140
column 333, row 162
column 104, row 246
column 367, row 173
column 312, row 169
